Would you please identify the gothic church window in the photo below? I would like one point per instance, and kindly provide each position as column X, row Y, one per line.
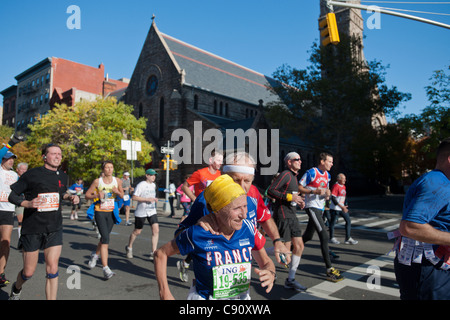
column 152, row 85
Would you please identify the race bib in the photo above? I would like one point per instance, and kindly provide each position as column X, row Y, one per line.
column 4, row 196
column 107, row 204
column 231, row 279
column 49, row 201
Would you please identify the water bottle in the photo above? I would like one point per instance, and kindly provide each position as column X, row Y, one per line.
column 293, row 203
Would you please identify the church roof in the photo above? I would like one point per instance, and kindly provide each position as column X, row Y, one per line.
column 210, row 72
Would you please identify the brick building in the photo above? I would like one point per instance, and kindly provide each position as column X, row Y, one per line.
column 9, row 106
column 55, row 80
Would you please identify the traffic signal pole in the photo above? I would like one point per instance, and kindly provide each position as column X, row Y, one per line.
column 393, row 13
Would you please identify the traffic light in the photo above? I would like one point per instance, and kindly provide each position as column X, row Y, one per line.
column 328, row 30
column 173, row 165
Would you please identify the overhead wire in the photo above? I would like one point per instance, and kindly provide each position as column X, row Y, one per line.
column 409, row 10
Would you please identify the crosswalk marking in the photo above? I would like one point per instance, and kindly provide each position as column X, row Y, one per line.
column 353, row 278
column 363, row 223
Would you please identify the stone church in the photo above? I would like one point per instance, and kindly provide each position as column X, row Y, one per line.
column 176, row 85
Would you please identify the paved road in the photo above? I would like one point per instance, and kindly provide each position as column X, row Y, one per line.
column 367, row 268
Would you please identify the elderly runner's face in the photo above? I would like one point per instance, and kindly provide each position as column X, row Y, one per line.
column 232, row 215
column 245, row 180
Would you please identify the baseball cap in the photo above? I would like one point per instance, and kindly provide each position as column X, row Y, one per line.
column 126, row 173
column 9, row 155
column 151, row 172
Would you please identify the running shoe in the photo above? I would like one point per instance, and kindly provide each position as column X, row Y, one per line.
column 13, row 295
column 152, row 256
column 129, row 252
column 334, row 241
column 351, row 241
column 183, row 270
column 292, row 284
column 333, row 255
column 107, row 273
column 334, row 275
column 93, row 261
column 3, row 280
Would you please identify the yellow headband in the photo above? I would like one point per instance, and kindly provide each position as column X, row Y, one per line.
column 222, row 191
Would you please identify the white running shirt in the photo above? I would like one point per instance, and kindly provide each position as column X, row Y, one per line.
column 145, row 190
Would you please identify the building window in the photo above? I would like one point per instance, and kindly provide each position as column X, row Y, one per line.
column 47, row 78
column 152, row 85
column 226, row 110
column 161, row 118
column 196, row 102
column 215, row 106
column 141, row 110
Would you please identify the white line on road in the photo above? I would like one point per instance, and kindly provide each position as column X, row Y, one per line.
column 326, row 289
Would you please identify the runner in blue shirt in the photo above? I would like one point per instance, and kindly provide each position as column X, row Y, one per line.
column 422, row 263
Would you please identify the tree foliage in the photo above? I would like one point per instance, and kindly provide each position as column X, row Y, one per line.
column 432, row 125
column 24, row 151
column 333, row 101
column 90, row 133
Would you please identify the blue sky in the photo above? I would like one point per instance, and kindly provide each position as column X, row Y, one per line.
column 259, row 34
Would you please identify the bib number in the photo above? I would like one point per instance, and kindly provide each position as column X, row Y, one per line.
column 4, row 196
column 49, row 202
column 231, row 279
column 107, row 204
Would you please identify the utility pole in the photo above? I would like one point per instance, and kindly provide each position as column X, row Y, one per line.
column 331, row 3
column 167, row 151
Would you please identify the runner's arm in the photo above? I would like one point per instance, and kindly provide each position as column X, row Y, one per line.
column 266, row 270
column 424, row 232
column 161, row 256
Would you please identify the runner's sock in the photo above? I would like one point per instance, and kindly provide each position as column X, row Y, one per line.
column 295, row 261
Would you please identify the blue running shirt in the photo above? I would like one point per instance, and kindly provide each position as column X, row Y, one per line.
column 222, row 267
column 428, row 201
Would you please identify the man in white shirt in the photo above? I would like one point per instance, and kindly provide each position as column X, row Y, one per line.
column 7, row 178
column 145, row 195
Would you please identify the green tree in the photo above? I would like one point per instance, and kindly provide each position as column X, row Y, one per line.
column 333, row 101
column 432, row 124
column 24, row 151
column 90, row 133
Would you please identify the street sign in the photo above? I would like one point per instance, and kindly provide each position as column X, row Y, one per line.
column 167, row 150
column 131, row 145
